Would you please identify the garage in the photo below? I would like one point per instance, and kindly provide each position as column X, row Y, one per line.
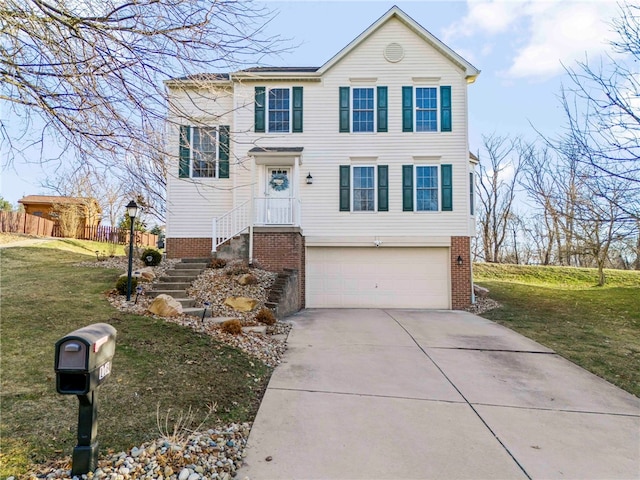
column 369, row 277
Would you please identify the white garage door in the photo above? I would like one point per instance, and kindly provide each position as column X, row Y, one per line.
column 360, row 277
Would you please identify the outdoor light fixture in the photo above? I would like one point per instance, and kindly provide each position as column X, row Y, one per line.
column 132, row 211
column 459, row 260
column 309, row 179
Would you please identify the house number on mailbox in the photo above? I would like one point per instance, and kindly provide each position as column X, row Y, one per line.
column 104, row 370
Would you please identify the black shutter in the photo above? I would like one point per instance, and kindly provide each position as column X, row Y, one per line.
column 223, row 155
column 344, row 109
column 297, row 109
column 383, row 188
column 259, row 109
column 382, row 109
column 345, row 188
column 407, row 188
column 407, row 109
column 184, row 151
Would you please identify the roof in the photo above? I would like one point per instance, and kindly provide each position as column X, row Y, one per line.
column 282, row 69
column 55, row 200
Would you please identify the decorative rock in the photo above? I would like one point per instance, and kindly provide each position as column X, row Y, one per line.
column 246, row 279
column 165, row 306
column 194, row 476
column 241, row 304
column 147, row 274
column 184, row 474
column 480, row 291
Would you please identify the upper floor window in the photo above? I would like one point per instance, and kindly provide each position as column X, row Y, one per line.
column 363, row 110
column 278, row 110
column 204, row 152
column 426, row 109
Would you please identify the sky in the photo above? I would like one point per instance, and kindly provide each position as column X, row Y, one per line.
column 521, row 47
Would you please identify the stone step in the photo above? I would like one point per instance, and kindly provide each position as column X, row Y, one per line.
column 186, row 302
column 172, row 293
column 256, row 329
column 172, row 285
column 177, row 278
column 196, row 311
column 204, row 261
column 190, row 266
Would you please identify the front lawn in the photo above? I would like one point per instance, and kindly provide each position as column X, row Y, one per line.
column 158, row 368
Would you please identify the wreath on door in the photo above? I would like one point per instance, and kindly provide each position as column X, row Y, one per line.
column 279, row 182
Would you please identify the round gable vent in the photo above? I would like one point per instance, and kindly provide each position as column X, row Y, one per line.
column 394, row 52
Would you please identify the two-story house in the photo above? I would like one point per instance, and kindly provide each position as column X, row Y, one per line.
column 356, row 173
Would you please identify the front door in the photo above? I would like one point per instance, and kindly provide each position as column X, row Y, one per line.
column 279, row 196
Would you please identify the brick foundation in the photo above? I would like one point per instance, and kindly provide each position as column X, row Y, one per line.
column 278, row 248
column 188, row 247
column 460, row 274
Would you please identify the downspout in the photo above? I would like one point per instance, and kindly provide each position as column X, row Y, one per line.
column 252, row 202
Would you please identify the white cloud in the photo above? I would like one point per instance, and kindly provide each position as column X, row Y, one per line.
column 545, row 33
column 561, row 35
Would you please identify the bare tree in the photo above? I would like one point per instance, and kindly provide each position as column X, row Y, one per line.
column 498, row 179
column 603, row 114
column 91, row 73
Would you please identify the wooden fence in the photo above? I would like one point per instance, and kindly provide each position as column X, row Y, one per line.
column 18, row 222
column 119, row 236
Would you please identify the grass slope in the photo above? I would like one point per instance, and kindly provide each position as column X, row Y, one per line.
column 596, row 327
column 158, row 366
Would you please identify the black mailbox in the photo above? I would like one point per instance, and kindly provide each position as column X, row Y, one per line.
column 83, row 358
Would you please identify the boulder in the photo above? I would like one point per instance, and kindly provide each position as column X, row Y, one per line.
column 147, row 274
column 241, row 304
column 246, row 279
column 165, row 306
column 480, row 291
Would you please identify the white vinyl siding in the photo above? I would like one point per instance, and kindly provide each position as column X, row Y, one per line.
column 325, row 149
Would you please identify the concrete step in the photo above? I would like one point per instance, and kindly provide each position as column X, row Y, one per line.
column 168, row 277
column 195, row 260
column 186, row 302
column 196, row 312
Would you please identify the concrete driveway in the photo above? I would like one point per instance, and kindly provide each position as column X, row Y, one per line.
column 408, row 394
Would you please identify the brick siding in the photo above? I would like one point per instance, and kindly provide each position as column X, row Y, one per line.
column 460, row 274
column 188, row 247
column 276, row 250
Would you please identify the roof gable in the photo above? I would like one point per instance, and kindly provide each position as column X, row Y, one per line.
column 395, row 12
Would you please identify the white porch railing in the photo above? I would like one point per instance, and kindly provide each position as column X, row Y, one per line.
column 267, row 211
column 277, row 211
column 232, row 223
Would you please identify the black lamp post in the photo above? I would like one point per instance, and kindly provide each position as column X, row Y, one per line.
column 132, row 211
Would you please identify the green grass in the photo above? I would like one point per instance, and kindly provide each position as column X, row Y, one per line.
column 596, row 327
column 157, row 366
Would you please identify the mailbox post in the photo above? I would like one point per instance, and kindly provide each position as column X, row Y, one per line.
column 82, row 364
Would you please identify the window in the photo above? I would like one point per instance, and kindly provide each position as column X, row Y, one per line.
column 278, row 110
column 426, row 110
column 426, row 188
column 204, row 152
column 364, row 188
column 363, row 111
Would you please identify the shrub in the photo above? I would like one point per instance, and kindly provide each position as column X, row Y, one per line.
column 155, row 257
column 217, row 263
column 265, row 316
column 233, row 327
column 121, row 285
